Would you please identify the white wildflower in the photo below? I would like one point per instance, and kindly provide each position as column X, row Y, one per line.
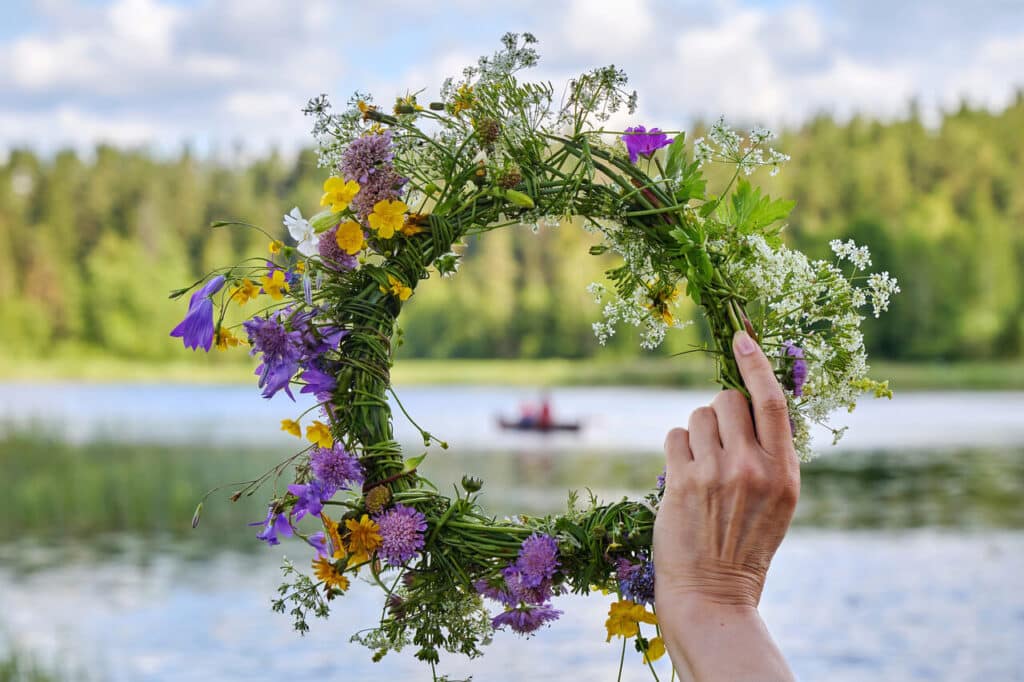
column 302, row 232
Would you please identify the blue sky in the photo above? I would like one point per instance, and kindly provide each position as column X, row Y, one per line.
column 213, row 72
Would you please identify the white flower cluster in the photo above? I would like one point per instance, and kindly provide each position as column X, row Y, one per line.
column 748, row 153
column 813, row 305
column 634, row 311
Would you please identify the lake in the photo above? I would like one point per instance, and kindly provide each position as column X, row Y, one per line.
column 904, row 563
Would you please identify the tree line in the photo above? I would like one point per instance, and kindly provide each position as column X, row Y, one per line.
column 91, row 245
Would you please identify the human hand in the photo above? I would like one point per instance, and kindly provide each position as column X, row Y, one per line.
column 731, row 487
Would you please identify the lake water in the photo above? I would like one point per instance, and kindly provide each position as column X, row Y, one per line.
column 905, row 564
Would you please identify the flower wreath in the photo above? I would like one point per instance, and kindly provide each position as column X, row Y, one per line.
column 409, row 185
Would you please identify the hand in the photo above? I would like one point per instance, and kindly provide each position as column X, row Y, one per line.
column 731, row 487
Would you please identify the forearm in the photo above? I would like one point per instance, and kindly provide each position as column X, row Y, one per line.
column 709, row 642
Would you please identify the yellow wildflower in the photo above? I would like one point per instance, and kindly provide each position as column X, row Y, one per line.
column 655, row 650
column 388, row 216
column 414, row 225
column 245, row 292
column 365, row 109
column 463, row 99
column 291, row 426
column 363, row 539
column 300, row 267
column 275, row 246
column 319, row 434
column 338, row 193
column 660, row 302
column 331, row 526
column 624, row 618
column 397, row 288
column 328, row 573
column 225, row 339
column 350, row 237
column 275, row 285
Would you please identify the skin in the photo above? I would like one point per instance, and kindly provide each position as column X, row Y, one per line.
column 731, row 485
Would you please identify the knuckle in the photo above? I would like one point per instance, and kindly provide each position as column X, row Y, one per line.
column 775, row 405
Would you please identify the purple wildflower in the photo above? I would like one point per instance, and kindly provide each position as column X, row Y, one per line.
column 333, row 255
column 281, row 352
column 319, row 542
column 318, row 382
column 335, row 467
column 385, row 184
column 401, row 532
column 538, row 559
column 642, row 142
column 661, row 480
column 636, row 581
column 521, row 591
column 798, row 373
column 311, row 496
column 525, row 619
column 197, row 327
column 364, row 155
column 274, row 525
column 490, row 591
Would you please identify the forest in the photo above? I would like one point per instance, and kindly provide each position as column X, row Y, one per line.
column 91, row 245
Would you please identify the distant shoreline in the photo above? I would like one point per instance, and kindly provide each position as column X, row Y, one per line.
column 667, row 372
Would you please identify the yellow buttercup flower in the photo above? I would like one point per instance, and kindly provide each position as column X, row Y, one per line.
column 363, row 539
column 338, row 193
column 300, row 267
column 291, row 426
column 397, row 288
column 414, row 225
column 225, row 339
column 275, row 285
column 388, row 217
column 319, row 434
column 275, row 247
column 655, row 650
column 328, row 573
column 350, row 237
column 245, row 292
column 624, row 618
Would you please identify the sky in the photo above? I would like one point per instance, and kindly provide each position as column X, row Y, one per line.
column 216, row 74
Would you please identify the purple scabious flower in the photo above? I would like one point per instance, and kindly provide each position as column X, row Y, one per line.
column 538, row 559
column 336, row 468
column 401, row 533
column 525, row 619
column 197, row 327
column 521, row 591
column 798, row 373
column 281, row 350
column 333, row 255
column 485, row 588
column 273, row 525
column 384, row 184
column 364, row 155
column 311, row 497
column 642, row 142
column 318, row 382
column 636, row 581
column 661, row 480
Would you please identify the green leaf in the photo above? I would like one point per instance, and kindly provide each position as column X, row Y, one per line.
column 413, row 462
column 691, row 183
column 676, row 156
column 749, row 211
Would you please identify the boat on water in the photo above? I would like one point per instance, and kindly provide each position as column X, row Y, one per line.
column 523, row 425
column 539, row 419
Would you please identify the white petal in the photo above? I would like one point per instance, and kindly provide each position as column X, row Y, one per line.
column 309, row 247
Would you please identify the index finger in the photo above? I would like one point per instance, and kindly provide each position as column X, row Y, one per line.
column 771, row 412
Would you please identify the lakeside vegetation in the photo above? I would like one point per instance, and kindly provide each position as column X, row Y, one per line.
column 976, row 375
column 90, row 247
column 75, row 493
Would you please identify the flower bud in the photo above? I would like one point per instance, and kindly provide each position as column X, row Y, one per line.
column 324, row 220
column 518, row 198
column 471, row 484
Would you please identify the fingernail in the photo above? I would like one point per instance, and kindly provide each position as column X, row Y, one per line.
column 743, row 344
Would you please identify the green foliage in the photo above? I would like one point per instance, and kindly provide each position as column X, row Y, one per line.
column 90, row 247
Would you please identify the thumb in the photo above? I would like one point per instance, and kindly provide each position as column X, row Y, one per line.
column 771, row 413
